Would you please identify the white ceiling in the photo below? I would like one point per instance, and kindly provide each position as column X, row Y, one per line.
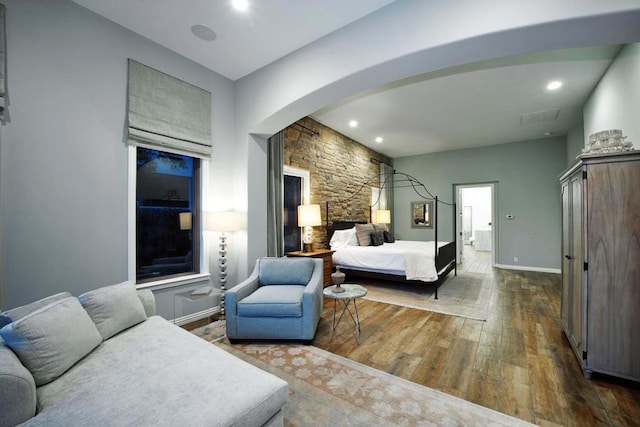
column 474, row 105
column 245, row 42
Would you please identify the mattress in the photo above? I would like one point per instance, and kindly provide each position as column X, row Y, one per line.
column 413, row 259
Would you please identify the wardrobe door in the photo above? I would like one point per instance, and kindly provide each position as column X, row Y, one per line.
column 577, row 263
column 613, row 227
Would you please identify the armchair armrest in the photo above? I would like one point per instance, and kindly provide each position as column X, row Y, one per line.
column 313, row 300
column 235, row 294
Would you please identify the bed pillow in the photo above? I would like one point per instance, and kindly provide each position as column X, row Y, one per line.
column 379, row 228
column 343, row 238
column 52, row 339
column 363, row 232
column 389, row 237
column 114, row 308
column 377, row 238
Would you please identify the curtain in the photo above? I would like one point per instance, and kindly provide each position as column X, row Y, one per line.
column 386, row 189
column 275, row 188
column 168, row 114
column 3, row 65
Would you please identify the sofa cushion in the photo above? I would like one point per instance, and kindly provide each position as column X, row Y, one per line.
column 19, row 312
column 157, row 374
column 52, row 339
column 285, row 271
column 113, row 308
column 272, row 301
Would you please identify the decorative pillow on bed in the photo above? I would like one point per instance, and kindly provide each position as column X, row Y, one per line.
column 379, row 227
column 363, row 231
column 343, row 238
column 389, row 237
column 377, row 238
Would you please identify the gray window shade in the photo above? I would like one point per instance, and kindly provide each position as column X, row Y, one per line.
column 3, row 51
column 167, row 113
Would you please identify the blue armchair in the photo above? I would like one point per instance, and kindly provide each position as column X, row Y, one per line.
column 282, row 299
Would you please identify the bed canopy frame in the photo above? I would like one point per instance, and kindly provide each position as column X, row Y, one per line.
column 445, row 256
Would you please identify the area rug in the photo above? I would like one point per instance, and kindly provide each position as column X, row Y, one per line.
column 326, row 389
column 465, row 295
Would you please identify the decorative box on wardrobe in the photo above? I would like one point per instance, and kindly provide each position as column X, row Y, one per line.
column 601, row 263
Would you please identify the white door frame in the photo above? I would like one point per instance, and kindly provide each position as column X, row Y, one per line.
column 457, row 190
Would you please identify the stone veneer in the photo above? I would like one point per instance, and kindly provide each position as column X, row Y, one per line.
column 338, row 167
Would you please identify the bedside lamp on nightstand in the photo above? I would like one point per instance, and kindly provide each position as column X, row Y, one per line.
column 308, row 217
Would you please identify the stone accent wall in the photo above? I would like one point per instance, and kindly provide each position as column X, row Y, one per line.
column 338, row 167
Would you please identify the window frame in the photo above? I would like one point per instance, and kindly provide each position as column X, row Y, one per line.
column 201, row 190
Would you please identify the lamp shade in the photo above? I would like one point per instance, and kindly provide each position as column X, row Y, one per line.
column 222, row 221
column 185, row 221
column 383, row 216
column 309, row 215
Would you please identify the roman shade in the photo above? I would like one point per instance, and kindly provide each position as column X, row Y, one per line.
column 167, row 113
column 3, row 54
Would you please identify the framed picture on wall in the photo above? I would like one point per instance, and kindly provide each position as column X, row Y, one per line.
column 422, row 214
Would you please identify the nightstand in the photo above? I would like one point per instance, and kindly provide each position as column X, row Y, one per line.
column 327, row 264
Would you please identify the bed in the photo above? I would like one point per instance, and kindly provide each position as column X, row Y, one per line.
column 420, row 262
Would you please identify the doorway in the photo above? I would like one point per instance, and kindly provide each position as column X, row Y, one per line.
column 476, row 225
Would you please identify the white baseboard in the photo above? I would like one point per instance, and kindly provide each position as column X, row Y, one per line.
column 196, row 316
column 525, row 268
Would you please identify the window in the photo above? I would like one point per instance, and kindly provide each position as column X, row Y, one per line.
column 167, row 215
column 296, row 192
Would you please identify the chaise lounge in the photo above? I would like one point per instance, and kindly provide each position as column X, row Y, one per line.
column 104, row 358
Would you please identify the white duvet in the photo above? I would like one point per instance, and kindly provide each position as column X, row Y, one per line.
column 414, row 259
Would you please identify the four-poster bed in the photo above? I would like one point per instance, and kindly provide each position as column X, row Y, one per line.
column 424, row 262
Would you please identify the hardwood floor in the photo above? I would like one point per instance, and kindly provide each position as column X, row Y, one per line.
column 517, row 362
column 475, row 261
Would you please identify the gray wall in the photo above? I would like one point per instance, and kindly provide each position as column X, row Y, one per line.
column 575, row 142
column 63, row 190
column 615, row 103
column 526, row 174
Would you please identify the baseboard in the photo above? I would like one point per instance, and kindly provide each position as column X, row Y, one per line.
column 525, row 268
column 196, row 316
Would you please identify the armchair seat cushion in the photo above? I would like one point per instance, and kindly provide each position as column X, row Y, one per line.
column 272, row 301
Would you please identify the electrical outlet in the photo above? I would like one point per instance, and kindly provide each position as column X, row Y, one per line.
column 515, row 259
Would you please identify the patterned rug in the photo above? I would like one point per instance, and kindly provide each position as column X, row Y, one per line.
column 326, row 389
column 465, row 295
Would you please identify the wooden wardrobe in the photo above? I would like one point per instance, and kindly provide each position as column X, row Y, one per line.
column 600, row 310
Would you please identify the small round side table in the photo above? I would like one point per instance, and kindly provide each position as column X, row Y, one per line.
column 348, row 297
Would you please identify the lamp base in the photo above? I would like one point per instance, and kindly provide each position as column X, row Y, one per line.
column 307, row 247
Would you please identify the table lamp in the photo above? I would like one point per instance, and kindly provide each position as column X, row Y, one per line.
column 383, row 216
column 308, row 217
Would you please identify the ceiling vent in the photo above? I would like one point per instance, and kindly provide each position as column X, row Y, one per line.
column 541, row 116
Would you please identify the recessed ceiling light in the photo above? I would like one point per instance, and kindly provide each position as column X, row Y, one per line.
column 353, row 123
column 203, row 32
column 240, row 5
column 548, row 133
column 554, row 85
column 379, row 139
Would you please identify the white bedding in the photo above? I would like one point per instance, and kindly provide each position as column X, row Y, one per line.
column 414, row 259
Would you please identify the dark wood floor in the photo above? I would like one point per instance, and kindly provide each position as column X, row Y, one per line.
column 517, row 362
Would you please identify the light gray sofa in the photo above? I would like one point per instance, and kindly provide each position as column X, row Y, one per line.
column 282, row 299
column 106, row 359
